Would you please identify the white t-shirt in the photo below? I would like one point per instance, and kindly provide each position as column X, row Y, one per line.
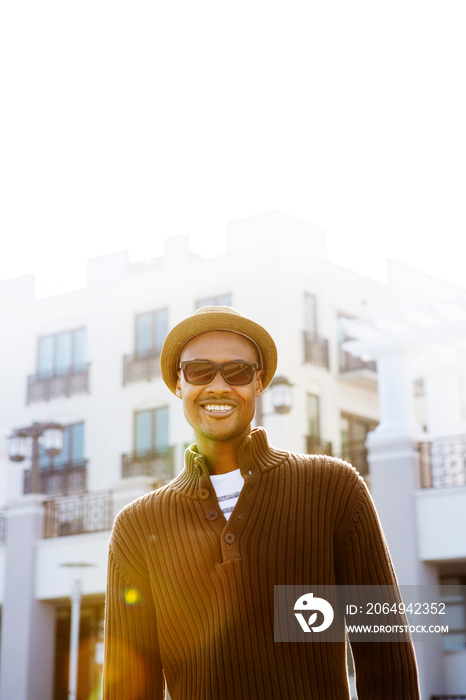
column 227, row 487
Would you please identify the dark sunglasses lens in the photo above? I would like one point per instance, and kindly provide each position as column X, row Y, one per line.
column 238, row 373
column 199, row 372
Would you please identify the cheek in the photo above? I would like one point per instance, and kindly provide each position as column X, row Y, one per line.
column 250, row 400
column 188, row 397
column 189, row 412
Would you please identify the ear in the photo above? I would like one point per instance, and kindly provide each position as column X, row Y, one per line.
column 178, row 386
column 259, row 388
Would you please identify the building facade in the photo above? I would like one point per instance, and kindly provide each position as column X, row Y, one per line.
column 88, row 360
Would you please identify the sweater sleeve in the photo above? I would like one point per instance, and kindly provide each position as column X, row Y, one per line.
column 383, row 670
column 132, row 666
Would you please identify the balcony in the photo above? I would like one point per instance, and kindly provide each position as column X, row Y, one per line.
column 315, row 350
column 316, row 446
column 443, row 462
column 43, row 387
column 75, row 515
column 155, row 463
column 357, row 371
column 60, row 481
column 140, row 367
column 441, row 501
column 349, row 363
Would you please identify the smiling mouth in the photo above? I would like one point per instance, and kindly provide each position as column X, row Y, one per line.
column 217, row 408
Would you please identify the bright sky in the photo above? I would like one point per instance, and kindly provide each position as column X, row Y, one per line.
column 124, row 123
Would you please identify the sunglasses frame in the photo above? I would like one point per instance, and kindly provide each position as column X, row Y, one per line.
column 218, row 366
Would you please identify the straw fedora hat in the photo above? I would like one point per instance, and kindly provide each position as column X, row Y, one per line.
column 216, row 318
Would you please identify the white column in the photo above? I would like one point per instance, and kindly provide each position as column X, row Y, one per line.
column 396, row 395
column 394, row 469
column 28, row 625
column 394, row 465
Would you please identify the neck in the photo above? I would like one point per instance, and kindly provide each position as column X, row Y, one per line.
column 220, row 457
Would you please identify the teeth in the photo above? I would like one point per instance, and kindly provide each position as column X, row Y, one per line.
column 217, row 407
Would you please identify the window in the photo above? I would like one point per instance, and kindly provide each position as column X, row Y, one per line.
column 62, row 353
column 310, row 313
column 315, row 348
column 354, row 431
column 314, row 442
column 151, row 331
column 313, row 415
column 219, row 300
column 72, row 451
column 151, row 455
column 151, row 431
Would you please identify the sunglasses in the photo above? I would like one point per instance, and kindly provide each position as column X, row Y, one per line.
column 235, row 372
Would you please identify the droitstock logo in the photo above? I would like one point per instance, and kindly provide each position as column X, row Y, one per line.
column 308, row 603
column 317, row 613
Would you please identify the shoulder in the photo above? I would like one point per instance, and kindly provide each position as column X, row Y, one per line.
column 132, row 535
column 139, row 513
column 336, row 485
column 142, row 507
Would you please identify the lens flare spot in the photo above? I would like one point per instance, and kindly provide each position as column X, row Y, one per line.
column 132, row 596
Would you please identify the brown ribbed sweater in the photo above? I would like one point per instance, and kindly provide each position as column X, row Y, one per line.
column 190, row 595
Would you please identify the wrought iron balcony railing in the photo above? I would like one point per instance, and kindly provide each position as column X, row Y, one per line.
column 75, row 515
column 60, row 481
column 315, row 350
column 316, row 446
column 443, row 462
column 349, row 363
column 141, row 366
column 156, row 463
column 43, row 387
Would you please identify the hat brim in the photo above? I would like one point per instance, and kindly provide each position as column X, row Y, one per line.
column 216, row 321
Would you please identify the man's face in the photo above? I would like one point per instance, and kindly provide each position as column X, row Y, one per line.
column 202, row 404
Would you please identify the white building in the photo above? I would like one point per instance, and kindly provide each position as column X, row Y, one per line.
column 89, row 361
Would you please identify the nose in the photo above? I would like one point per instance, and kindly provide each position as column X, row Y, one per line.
column 218, row 382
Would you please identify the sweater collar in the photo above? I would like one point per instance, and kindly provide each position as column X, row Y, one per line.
column 255, row 456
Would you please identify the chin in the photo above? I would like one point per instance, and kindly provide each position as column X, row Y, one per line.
column 225, row 435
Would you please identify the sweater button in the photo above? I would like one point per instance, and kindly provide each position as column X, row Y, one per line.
column 197, row 470
column 229, row 538
column 211, row 515
column 203, row 494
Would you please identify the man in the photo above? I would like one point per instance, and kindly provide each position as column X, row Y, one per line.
column 193, row 565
